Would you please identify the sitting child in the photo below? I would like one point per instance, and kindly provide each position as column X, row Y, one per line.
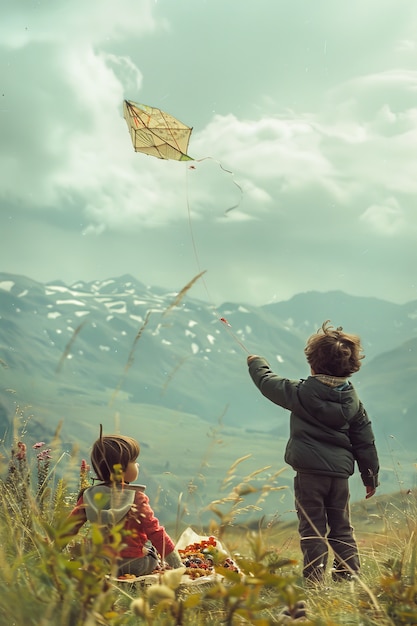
column 115, row 499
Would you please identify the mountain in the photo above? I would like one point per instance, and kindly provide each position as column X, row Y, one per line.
column 382, row 325
column 117, row 349
column 391, row 390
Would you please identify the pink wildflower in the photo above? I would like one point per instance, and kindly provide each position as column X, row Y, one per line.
column 38, row 445
column 21, row 454
column 44, row 455
column 84, row 470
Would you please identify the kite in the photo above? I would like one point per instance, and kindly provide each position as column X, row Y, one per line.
column 161, row 135
column 156, row 133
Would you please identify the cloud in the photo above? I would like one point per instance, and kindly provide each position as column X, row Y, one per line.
column 77, row 146
column 386, row 218
column 365, row 96
column 62, row 141
column 319, row 135
column 93, row 165
column 406, row 45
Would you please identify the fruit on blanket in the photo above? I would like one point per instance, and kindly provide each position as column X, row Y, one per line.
column 196, row 572
column 200, row 558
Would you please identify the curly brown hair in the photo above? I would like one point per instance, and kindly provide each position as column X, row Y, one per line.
column 110, row 451
column 335, row 353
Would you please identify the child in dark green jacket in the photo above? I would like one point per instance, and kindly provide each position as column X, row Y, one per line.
column 329, row 431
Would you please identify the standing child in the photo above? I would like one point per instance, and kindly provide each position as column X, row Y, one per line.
column 115, row 499
column 329, row 431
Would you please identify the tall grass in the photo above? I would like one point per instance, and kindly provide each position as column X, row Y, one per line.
column 46, row 581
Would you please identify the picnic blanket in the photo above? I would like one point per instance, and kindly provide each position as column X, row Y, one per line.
column 199, row 555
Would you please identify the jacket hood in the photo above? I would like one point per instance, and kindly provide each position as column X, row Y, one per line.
column 332, row 406
column 109, row 504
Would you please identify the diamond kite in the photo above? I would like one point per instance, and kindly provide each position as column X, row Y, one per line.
column 156, row 133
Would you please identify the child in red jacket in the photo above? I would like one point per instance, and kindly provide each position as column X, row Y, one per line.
column 115, row 499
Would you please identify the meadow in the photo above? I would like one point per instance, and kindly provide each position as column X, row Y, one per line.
column 45, row 582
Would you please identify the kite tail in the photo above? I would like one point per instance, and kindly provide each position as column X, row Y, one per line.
column 235, row 206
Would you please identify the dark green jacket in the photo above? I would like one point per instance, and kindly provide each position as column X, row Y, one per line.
column 329, row 428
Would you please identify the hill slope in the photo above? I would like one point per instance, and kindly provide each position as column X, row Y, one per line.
column 118, row 352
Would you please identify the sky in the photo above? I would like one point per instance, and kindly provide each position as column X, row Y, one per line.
column 304, row 115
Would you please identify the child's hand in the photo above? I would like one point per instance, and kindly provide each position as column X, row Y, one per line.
column 370, row 491
column 251, row 357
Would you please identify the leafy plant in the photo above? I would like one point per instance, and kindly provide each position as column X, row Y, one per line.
column 48, row 577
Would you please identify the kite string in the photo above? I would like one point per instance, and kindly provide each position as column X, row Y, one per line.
column 223, row 320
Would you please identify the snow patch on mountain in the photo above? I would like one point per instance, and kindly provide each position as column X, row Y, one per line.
column 7, row 285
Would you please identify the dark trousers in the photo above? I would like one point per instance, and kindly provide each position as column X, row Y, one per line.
column 322, row 504
column 140, row 566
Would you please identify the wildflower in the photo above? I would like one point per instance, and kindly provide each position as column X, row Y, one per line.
column 43, row 463
column 140, row 607
column 21, row 453
column 157, row 593
column 38, row 445
column 172, row 578
column 84, row 471
column 44, row 455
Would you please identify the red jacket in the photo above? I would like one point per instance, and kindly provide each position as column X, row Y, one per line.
column 134, row 509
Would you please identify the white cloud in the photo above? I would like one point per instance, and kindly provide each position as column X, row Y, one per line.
column 308, row 138
column 279, row 155
column 363, row 96
column 83, row 154
column 406, row 45
column 386, row 218
column 71, row 126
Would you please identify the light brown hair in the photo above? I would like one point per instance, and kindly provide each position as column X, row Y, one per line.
column 110, row 451
column 335, row 353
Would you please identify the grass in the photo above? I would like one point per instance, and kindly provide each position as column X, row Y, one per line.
column 43, row 582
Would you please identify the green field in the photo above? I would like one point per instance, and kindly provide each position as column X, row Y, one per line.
column 43, row 583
